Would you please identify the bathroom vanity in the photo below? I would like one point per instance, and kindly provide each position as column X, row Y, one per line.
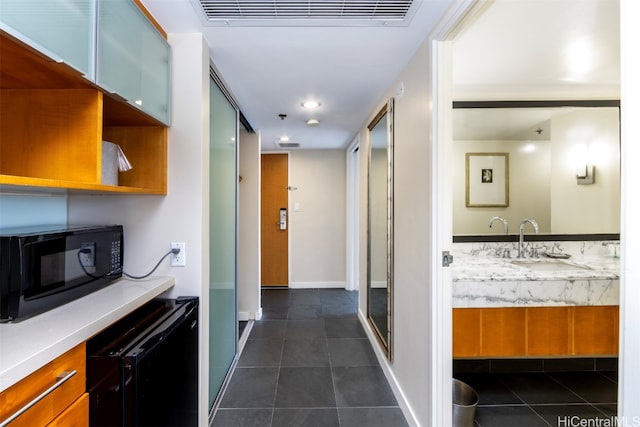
column 504, row 306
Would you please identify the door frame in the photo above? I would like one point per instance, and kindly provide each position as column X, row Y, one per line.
column 628, row 371
column 459, row 17
column 289, row 222
column 353, row 215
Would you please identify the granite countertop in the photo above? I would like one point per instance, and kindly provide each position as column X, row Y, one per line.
column 482, row 278
column 32, row 343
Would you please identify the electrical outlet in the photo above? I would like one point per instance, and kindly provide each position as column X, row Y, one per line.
column 88, row 254
column 179, row 259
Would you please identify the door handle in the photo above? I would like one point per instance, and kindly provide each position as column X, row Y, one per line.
column 283, row 219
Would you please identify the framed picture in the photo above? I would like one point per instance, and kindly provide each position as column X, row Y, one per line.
column 487, row 180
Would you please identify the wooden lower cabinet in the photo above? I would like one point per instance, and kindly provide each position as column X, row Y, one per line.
column 76, row 415
column 535, row 331
column 66, row 405
column 548, row 330
column 502, row 331
column 467, row 339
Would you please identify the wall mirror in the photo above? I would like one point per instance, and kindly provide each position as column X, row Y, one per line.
column 380, row 227
column 548, row 144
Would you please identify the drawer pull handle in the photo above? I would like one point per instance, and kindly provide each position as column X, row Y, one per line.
column 60, row 379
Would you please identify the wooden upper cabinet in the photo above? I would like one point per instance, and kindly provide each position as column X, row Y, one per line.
column 54, row 116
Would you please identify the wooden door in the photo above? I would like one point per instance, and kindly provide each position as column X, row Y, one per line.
column 274, row 240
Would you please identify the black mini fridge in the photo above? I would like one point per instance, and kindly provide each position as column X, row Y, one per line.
column 143, row 370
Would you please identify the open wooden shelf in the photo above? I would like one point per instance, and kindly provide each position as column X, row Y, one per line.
column 53, row 122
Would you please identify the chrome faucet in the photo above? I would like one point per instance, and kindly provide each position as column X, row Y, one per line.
column 534, row 224
column 506, row 253
column 502, row 220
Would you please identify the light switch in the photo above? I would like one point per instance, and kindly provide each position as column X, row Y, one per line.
column 296, row 207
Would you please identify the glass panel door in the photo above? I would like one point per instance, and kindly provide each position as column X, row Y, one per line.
column 223, row 181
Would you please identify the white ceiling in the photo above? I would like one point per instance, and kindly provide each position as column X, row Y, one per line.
column 517, row 49
column 540, row 49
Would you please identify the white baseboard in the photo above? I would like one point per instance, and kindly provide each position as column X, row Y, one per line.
column 244, row 337
column 244, row 316
column 388, row 373
column 313, row 285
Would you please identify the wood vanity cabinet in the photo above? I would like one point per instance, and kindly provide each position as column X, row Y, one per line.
column 535, row 331
column 53, row 120
column 67, row 405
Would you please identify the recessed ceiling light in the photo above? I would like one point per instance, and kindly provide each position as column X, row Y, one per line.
column 283, row 138
column 313, row 122
column 311, row 104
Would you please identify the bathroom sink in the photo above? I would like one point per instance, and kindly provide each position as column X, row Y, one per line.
column 548, row 265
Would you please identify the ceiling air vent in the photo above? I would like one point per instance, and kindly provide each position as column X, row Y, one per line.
column 287, row 145
column 306, row 12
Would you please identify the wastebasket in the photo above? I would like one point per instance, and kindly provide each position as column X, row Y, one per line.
column 465, row 400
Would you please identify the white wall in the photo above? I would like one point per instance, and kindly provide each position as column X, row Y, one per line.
column 529, row 188
column 317, row 232
column 249, row 227
column 410, row 372
column 151, row 223
column 586, row 208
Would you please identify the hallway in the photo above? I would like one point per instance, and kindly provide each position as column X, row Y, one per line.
column 308, row 363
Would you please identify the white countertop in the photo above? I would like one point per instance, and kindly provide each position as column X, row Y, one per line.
column 30, row 344
column 482, row 279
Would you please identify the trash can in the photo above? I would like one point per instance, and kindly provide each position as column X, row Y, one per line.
column 465, row 400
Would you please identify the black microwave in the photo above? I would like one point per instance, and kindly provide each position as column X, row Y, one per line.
column 45, row 267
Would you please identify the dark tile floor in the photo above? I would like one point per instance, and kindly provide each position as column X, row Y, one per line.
column 544, row 399
column 308, row 363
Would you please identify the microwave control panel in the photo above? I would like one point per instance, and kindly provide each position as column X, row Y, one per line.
column 116, row 255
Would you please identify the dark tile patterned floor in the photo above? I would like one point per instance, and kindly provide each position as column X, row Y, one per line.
column 308, row 363
column 544, row 399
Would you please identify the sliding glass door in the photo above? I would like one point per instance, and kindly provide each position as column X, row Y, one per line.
column 223, row 182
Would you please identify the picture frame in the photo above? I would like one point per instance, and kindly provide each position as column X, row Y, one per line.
column 487, row 180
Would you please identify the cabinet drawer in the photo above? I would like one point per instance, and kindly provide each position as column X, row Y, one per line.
column 76, row 415
column 51, row 405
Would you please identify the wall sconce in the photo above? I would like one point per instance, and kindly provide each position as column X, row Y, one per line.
column 585, row 171
column 586, row 174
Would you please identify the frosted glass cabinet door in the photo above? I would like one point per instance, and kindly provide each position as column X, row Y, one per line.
column 61, row 29
column 133, row 58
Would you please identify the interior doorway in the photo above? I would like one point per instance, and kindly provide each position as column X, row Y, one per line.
column 353, row 215
column 274, row 220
